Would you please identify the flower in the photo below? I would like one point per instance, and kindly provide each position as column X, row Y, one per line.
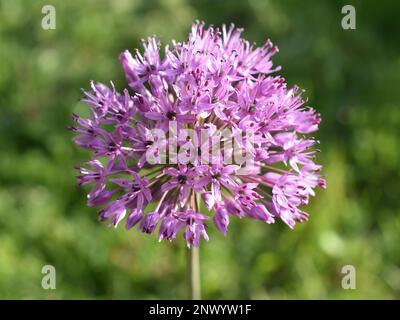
column 204, row 124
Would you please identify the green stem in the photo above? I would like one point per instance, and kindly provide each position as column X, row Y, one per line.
column 193, row 264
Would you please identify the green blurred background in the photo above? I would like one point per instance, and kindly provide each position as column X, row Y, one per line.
column 351, row 76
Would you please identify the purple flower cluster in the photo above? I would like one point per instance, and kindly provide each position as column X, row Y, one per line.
column 214, row 80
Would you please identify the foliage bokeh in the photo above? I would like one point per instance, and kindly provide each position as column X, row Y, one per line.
column 351, row 78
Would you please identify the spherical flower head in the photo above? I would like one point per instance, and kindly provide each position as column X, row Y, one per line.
column 204, row 123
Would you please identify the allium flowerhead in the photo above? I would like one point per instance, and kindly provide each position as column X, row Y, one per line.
column 204, row 133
